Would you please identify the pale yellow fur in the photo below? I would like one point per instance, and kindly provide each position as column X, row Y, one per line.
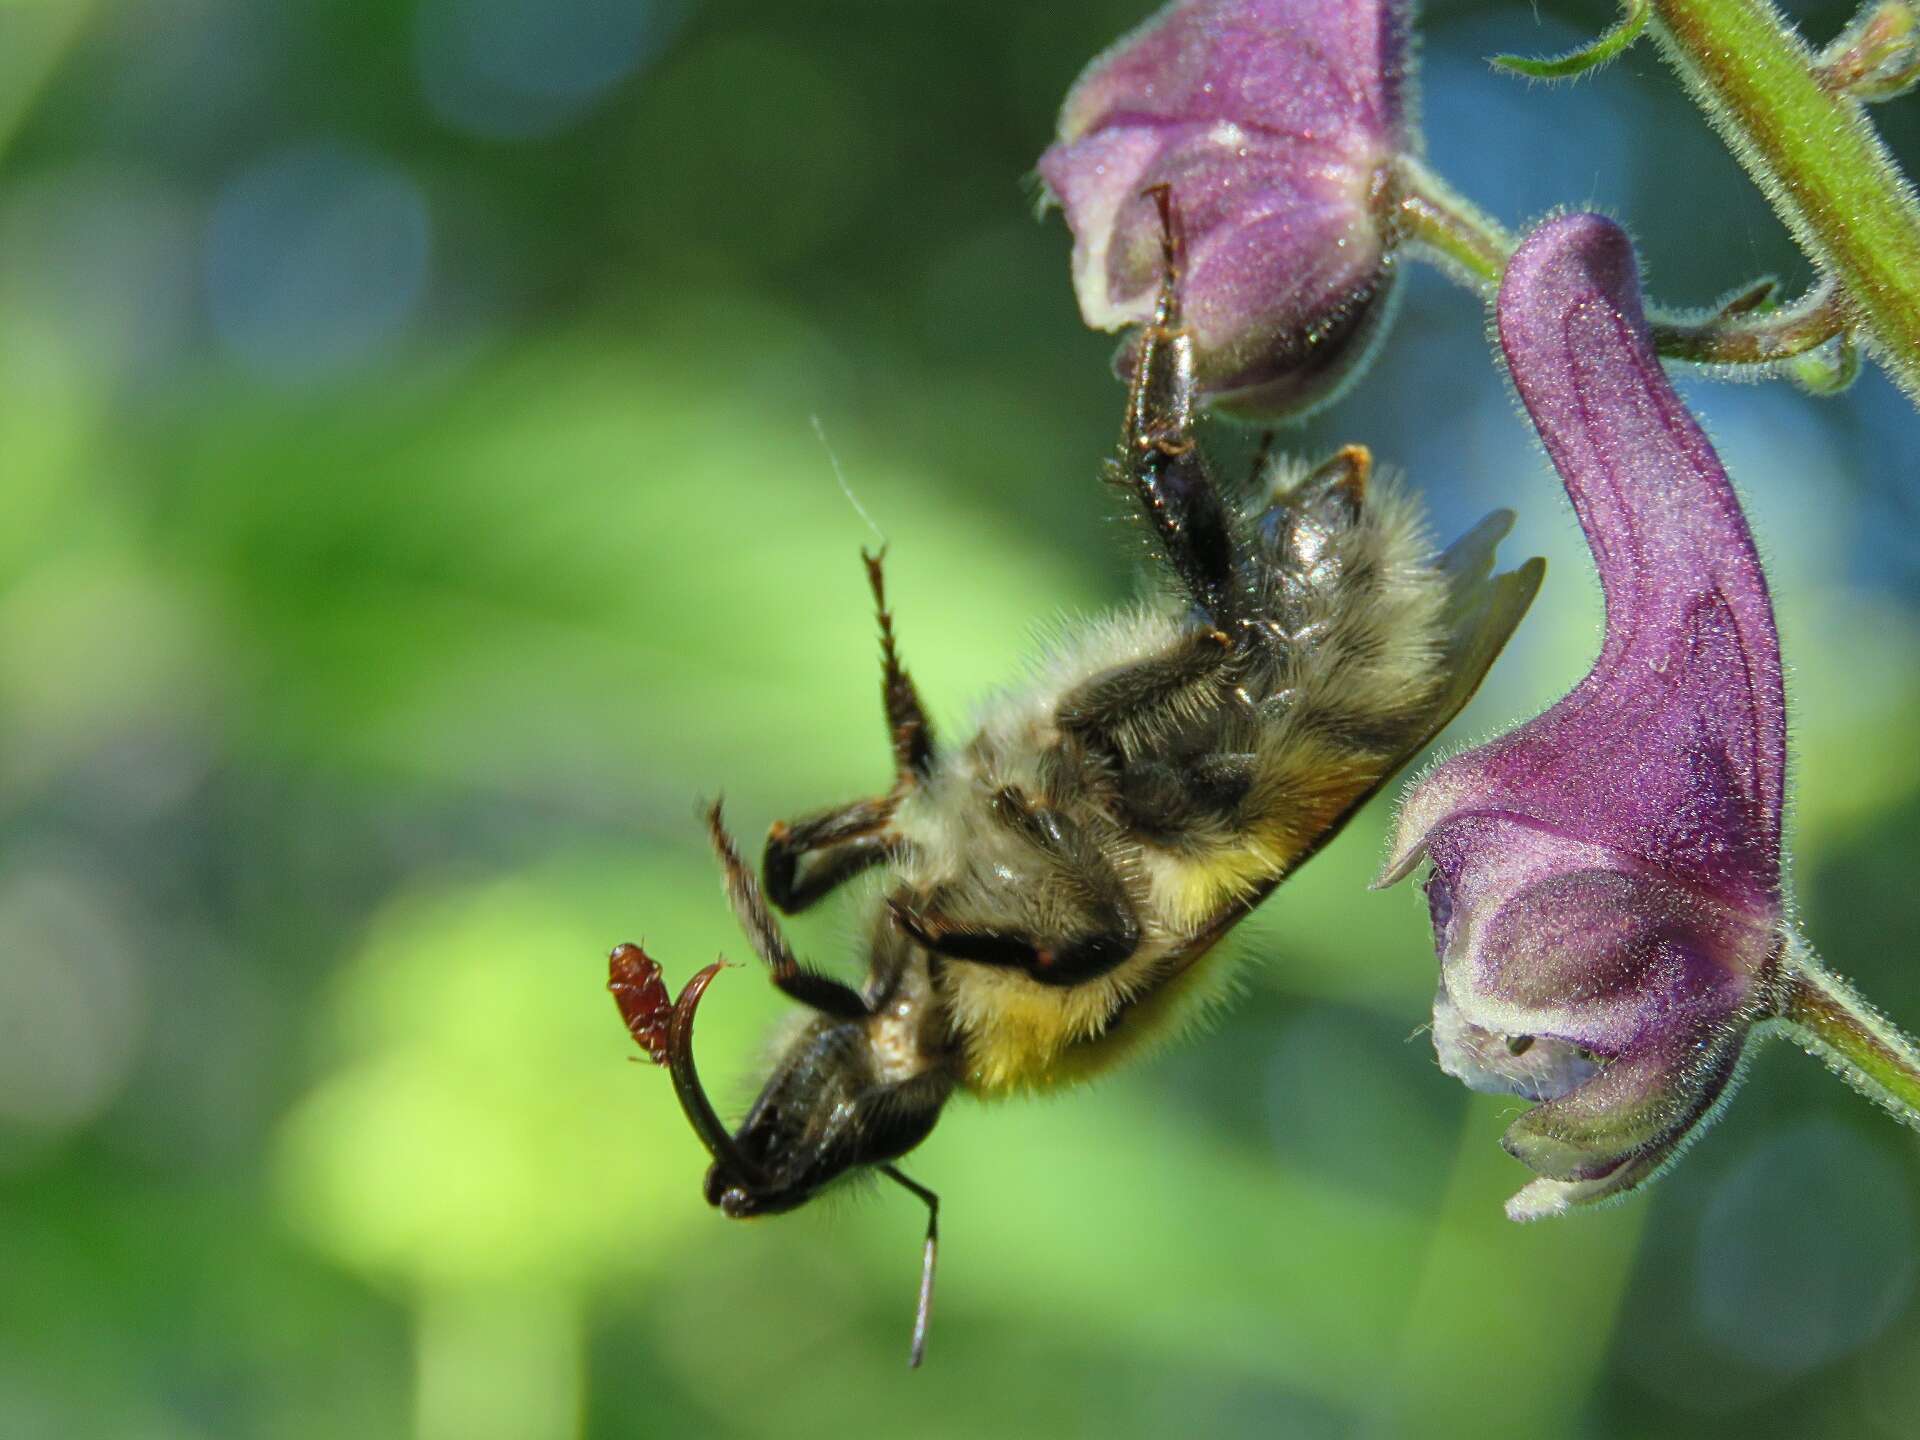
column 1380, row 657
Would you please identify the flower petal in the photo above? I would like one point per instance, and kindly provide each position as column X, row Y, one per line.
column 1270, row 124
column 1673, row 749
column 1305, row 68
column 1641, row 1106
column 1542, row 935
column 1094, row 180
column 1536, row 1067
column 1543, row 1198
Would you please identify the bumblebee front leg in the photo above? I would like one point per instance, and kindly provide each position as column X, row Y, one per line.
column 801, row 982
column 846, row 841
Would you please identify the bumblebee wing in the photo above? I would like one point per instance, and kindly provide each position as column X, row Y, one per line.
column 1482, row 610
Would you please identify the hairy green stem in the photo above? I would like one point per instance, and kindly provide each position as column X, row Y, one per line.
column 1766, row 336
column 1828, row 1019
column 1463, row 240
column 1813, row 153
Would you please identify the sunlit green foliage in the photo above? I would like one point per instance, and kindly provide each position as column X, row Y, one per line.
column 348, row 714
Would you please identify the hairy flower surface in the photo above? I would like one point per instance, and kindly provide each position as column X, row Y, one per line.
column 1272, row 123
column 1606, row 891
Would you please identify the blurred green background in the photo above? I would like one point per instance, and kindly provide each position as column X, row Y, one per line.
column 412, row 506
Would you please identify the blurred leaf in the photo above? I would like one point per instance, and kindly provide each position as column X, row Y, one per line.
column 471, row 1128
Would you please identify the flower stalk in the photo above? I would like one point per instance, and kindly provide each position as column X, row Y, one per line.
column 1749, row 329
column 1813, row 153
column 1827, row 1019
column 1608, row 47
column 1451, row 230
column 1733, row 336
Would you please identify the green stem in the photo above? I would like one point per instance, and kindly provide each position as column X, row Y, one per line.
column 1829, row 1020
column 1428, row 213
column 1443, row 226
column 1766, row 336
column 1815, row 156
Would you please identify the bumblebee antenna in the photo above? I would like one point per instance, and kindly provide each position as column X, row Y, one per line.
column 923, row 1312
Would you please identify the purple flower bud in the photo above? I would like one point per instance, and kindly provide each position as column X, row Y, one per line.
column 1273, row 123
column 1606, row 879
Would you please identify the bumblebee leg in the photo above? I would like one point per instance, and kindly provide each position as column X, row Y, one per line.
column 1160, row 460
column 1299, row 520
column 1345, row 472
column 1083, row 879
column 802, row 983
column 1067, row 961
column 1196, row 803
column 1120, row 711
column 852, row 838
column 908, row 730
column 846, row 840
column 930, row 1251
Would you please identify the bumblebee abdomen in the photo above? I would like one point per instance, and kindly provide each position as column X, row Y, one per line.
column 1200, row 768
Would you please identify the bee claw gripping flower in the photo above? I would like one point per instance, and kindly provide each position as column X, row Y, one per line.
column 1272, row 124
column 1606, row 889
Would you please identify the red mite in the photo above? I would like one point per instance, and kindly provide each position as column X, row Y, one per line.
column 634, row 979
column 664, row 1029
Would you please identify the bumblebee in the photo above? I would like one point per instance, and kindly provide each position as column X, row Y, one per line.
column 1055, row 888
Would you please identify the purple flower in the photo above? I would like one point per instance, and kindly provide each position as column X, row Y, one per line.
column 1273, row 123
column 1606, row 890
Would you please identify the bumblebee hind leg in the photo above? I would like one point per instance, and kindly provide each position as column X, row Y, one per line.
column 1160, row 459
column 1297, row 534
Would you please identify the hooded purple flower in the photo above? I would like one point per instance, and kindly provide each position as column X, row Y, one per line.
column 1273, row 123
column 1606, row 888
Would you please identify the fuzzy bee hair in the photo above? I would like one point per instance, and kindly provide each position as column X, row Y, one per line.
column 1053, row 890
column 1155, row 780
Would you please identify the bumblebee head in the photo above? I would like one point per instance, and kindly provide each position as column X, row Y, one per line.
column 829, row 1109
column 836, row 1103
column 859, row 1083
